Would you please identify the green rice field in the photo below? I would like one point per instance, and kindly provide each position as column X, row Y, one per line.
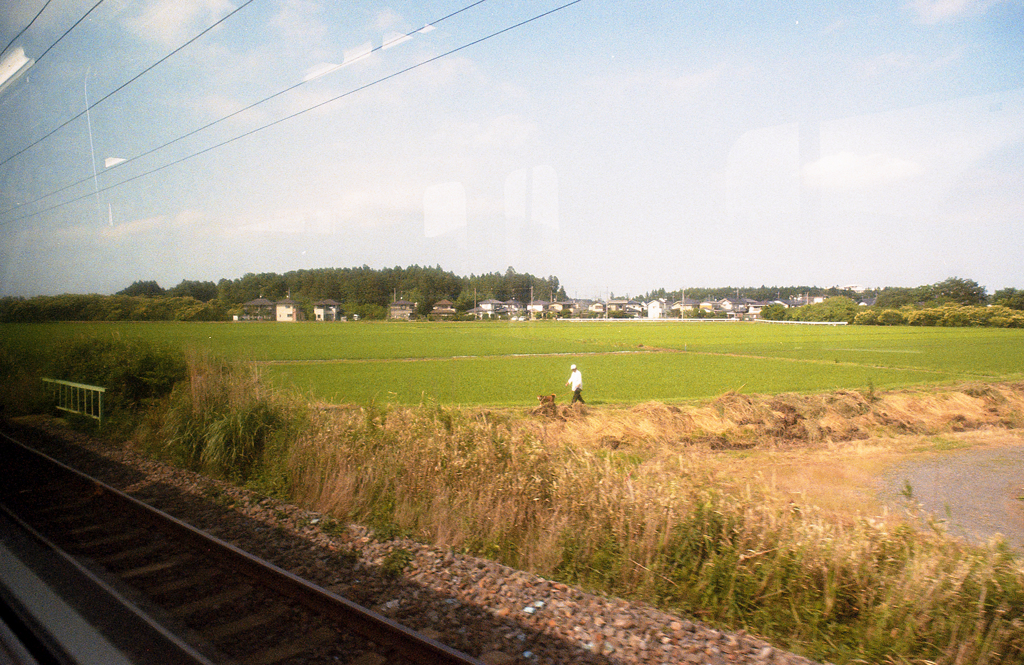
column 510, row 363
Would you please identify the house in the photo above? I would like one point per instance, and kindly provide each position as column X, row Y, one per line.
column 750, row 309
column 566, row 306
column 443, row 309
column 617, row 306
column 657, row 309
column 402, row 309
column 685, row 305
column 288, row 310
column 259, row 309
column 326, row 310
column 514, row 307
column 537, row 308
column 490, row 308
column 625, row 307
column 598, row 308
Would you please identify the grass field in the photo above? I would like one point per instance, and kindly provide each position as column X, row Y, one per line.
column 623, row 362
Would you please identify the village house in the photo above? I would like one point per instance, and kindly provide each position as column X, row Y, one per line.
column 562, row 306
column 288, row 310
column 597, row 307
column 489, row 309
column 657, row 309
column 752, row 308
column 443, row 309
column 685, row 306
column 402, row 309
column 259, row 309
column 537, row 308
column 514, row 308
column 326, row 310
column 630, row 308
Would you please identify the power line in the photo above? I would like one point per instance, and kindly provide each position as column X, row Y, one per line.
column 47, row 4
column 221, row 119
column 126, row 83
column 68, row 31
column 303, row 111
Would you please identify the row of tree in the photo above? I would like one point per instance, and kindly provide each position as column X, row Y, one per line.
column 952, row 290
column 94, row 307
column 368, row 292
column 364, row 291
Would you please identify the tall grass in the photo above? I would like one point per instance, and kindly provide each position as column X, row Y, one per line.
column 639, row 504
column 223, row 420
column 652, row 502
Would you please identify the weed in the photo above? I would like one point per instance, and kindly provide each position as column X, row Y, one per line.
column 332, row 527
column 396, row 562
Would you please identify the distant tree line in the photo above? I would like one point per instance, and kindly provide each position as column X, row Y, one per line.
column 952, row 302
column 95, row 307
column 364, row 291
column 367, row 292
column 760, row 293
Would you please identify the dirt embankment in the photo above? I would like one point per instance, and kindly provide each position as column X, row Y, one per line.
column 736, row 420
column 968, row 481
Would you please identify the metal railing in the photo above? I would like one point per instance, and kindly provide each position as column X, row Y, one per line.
column 78, row 398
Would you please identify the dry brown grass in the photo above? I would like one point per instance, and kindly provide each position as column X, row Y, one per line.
column 724, row 507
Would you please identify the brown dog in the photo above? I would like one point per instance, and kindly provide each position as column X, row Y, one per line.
column 546, row 399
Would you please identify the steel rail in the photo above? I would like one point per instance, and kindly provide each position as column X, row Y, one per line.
column 411, row 645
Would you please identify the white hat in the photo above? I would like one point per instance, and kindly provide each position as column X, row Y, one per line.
column 573, row 367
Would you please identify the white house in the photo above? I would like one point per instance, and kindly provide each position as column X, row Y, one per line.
column 326, row 310
column 288, row 310
column 490, row 309
column 657, row 309
column 537, row 308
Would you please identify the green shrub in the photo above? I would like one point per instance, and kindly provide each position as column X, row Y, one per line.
column 925, row 317
column 866, row 318
column 132, row 370
column 891, row 317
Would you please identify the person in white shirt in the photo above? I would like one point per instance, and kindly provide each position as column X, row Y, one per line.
column 575, row 384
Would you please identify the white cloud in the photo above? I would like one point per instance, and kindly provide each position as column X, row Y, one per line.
column 937, row 11
column 850, row 170
column 388, row 19
column 300, row 21
column 171, row 22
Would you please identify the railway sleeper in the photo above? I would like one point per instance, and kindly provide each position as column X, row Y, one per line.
column 244, row 624
column 155, row 567
column 210, row 602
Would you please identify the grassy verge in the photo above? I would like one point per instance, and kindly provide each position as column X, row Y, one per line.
column 702, row 509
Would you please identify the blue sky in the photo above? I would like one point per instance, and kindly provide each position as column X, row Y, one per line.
column 623, row 147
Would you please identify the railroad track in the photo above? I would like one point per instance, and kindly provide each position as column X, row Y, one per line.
column 204, row 600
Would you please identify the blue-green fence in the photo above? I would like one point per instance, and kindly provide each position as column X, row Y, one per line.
column 77, row 398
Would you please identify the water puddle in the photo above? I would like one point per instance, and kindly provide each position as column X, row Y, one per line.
column 975, row 493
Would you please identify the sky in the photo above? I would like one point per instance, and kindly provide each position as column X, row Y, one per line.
column 622, row 147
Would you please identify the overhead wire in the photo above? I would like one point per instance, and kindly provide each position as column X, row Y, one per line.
column 15, row 38
column 253, row 105
column 303, row 111
column 126, row 83
column 68, row 31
